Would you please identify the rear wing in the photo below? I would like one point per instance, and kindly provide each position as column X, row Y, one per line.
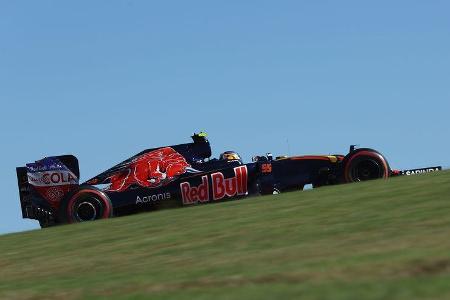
column 44, row 183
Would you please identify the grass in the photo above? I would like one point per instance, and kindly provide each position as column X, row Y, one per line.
column 374, row 240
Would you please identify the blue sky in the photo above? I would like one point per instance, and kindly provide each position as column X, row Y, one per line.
column 105, row 79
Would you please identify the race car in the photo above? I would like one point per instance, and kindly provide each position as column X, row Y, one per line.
column 181, row 175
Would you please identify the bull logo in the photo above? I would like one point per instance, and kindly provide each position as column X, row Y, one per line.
column 152, row 169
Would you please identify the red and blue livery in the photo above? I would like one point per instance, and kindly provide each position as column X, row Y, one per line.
column 181, row 175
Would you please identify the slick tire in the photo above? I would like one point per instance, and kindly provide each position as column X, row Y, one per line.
column 85, row 204
column 364, row 164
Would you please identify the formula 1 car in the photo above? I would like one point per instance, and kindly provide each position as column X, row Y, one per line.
column 181, row 175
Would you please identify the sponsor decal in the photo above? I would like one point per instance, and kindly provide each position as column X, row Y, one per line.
column 55, row 194
column 266, row 168
column 152, row 169
column 50, row 171
column 221, row 187
column 420, row 171
column 46, row 164
column 152, row 198
column 192, row 194
column 52, row 178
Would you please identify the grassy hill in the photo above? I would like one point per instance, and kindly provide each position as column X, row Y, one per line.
column 375, row 240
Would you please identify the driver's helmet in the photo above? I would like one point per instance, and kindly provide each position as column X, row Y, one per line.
column 230, row 156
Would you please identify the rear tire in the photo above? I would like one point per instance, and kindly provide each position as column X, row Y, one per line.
column 364, row 164
column 85, row 204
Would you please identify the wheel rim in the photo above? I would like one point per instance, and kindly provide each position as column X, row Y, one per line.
column 86, row 211
column 366, row 170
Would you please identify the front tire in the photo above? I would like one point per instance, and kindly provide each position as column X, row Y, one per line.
column 365, row 164
column 85, row 204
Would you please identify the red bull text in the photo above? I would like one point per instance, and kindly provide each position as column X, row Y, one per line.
column 221, row 187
